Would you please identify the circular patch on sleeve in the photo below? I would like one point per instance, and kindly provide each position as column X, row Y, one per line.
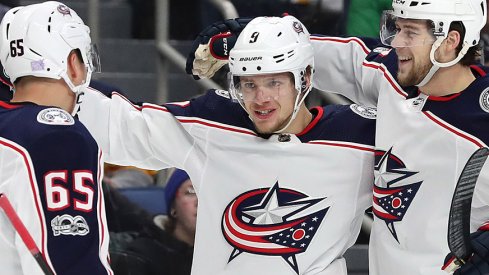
column 364, row 111
column 484, row 100
column 55, row 116
column 223, row 93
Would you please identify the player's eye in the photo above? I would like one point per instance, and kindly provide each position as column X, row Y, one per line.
column 248, row 85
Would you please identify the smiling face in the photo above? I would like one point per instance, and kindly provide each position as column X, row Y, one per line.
column 413, row 43
column 269, row 100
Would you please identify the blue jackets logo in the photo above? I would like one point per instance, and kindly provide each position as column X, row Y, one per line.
column 259, row 222
column 392, row 197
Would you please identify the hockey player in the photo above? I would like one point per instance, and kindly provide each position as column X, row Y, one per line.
column 50, row 166
column 282, row 189
column 432, row 115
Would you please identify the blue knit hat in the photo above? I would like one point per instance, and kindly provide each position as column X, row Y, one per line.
column 176, row 180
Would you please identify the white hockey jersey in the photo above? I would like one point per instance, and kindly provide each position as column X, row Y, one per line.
column 422, row 144
column 51, row 171
column 281, row 204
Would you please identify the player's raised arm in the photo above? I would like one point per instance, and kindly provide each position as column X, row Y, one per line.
column 346, row 65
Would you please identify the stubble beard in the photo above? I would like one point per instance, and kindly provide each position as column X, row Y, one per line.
column 415, row 75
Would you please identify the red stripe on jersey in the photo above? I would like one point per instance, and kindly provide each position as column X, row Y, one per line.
column 458, row 133
column 444, row 98
column 100, row 203
column 139, row 108
column 384, row 215
column 387, row 76
column 478, row 69
column 164, row 109
column 313, row 122
column 217, row 126
column 358, row 147
column 484, row 227
column 154, row 107
column 34, row 193
column 8, row 106
column 343, row 40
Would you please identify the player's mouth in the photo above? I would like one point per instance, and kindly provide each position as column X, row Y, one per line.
column 404, row 61
column 264, row 114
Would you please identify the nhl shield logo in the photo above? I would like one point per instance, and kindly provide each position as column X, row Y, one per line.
column 55, row 116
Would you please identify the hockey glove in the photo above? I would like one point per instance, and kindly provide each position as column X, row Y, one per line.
column 210, row 50
column 478, row 263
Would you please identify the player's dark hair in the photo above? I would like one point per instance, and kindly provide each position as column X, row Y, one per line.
column 78, row 54
column 473, row 54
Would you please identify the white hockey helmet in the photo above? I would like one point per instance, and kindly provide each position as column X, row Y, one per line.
column 269, row 45
column 472, row 14
column 273, row 45
column 37, row 39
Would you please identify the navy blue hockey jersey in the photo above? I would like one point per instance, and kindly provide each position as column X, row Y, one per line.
column 51, row 170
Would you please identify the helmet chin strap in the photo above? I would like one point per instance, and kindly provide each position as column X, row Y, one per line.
column 77, row 90
column 437, row 65
column 297, row 104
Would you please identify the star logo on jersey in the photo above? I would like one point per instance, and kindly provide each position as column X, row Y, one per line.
column 392, row 197
column 271, row 222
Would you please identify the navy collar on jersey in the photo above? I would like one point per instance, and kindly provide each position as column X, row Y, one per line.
column 317, row 114
column 11, row 105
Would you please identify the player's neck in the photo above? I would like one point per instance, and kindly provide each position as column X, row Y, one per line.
column 45, row 93
column 449, row 81
column 300, row 122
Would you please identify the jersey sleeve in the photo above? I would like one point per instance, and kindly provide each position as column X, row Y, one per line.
column 341, row 67
column 147, row 135
column 70, row 212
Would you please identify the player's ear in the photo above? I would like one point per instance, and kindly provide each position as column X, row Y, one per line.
column 451, row 43
column 75, row 68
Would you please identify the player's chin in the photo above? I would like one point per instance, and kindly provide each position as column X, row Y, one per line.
column 263, row 129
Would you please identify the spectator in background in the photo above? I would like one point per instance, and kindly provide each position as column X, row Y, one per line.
column 321, row 16
column 170, row 251
column 363, row 18
column 128, row 176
